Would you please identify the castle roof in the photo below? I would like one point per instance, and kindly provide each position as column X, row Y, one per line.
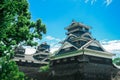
column 77, row 24
column 79, row 42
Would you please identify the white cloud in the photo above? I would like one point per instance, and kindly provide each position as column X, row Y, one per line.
column 49, row 38
column 112, row 46
column 108, row 2
column 52, row 38
column 53, row 42
column 93, row 1
column 55, row 48
column 86, row 1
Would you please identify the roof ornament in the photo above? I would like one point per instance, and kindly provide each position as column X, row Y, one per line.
column 73, row 21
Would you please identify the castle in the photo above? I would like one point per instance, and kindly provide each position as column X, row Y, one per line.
column 81, row 57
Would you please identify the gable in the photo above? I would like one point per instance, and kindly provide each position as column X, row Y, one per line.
column 87, row 36
column 66, row 45
column 71, row 37
column 95, row 46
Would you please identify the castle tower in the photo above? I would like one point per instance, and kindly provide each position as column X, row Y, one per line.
column 42, row 53
column 30, row 64
column 81, row 57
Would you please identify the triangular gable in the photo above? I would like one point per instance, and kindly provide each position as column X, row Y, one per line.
column 96, row 46
column 70, row 35
column 66, row 45
column 87, row 35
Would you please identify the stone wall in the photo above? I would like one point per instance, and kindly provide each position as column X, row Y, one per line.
column 33, row 73
column 117, row 77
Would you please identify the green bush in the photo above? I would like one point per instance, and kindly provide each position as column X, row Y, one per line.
column 44, row 68
column 116, row 61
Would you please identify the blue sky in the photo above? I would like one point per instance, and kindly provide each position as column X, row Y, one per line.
column 102, row 15
column 58, row 14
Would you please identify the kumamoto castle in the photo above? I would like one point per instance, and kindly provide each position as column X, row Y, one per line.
column 81, row 57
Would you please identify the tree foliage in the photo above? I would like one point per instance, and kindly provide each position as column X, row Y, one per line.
column 116, row 61
column 44, row 68
column 16, row 28
column 10, row 71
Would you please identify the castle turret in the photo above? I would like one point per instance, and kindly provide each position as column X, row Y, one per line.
column 77, row 29
column 42, row 52
column 43, row 47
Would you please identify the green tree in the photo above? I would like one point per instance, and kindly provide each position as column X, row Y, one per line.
column 16, row 28
column 117, row 61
